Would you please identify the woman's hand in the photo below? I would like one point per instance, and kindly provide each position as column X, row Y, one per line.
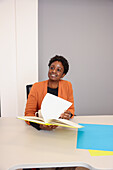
column 66, row 115
column 47, row 127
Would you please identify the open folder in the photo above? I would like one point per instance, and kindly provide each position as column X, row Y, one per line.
column 51, row 109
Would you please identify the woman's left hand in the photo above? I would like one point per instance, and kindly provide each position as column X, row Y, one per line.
column 66, row 115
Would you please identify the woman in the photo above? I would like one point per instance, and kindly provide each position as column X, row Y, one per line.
column 58, row 68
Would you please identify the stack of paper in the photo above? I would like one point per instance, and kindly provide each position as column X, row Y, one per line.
column 98, row 139
column 51, row 109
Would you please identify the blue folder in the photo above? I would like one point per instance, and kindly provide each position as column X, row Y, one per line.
column 95, row 137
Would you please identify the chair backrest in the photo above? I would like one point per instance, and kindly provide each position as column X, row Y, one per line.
column 28, row 88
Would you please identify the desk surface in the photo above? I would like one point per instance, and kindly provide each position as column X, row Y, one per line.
column 22, row 145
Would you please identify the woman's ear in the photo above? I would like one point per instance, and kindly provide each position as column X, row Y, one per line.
column 63, row 75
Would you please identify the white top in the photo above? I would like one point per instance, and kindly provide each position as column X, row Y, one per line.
column 22, row 145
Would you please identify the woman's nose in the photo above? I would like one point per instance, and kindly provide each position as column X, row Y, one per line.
column 54, row 71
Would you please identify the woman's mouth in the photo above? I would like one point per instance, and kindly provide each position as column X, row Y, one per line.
column 53, row 75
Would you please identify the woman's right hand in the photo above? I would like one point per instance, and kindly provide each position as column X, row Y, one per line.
column 47, row 127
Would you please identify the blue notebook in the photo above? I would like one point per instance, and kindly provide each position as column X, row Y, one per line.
column 95, row 137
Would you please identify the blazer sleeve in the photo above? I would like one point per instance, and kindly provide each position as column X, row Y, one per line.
column 32, row 104
column 71, row 99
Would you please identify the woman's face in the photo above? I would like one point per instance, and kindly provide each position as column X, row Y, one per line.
column 56, row 71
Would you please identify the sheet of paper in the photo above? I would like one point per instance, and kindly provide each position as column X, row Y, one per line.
column 52, row 107
column 95, row 137
column 100, row 153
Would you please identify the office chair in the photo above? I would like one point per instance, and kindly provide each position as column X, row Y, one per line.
column 28, row 88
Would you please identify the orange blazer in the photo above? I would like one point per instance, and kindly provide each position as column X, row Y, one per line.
column 39, row 90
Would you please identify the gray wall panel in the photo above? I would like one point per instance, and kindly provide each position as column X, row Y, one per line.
column 82, row 31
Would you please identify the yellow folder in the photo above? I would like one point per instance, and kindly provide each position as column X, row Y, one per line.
column 100, row 153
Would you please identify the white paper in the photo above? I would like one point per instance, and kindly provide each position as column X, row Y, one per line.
column 52, row 107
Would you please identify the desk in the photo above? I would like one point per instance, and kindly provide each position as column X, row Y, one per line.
column 22, row 145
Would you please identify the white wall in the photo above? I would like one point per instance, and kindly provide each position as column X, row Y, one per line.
column 82, row 31
column 18, row 54
column 8, row 58
column 27, row 47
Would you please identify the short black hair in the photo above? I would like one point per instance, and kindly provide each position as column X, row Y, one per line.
column 62, row 60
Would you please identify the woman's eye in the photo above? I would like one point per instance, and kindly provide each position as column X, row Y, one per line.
column 52, row 68
column 59, row 70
